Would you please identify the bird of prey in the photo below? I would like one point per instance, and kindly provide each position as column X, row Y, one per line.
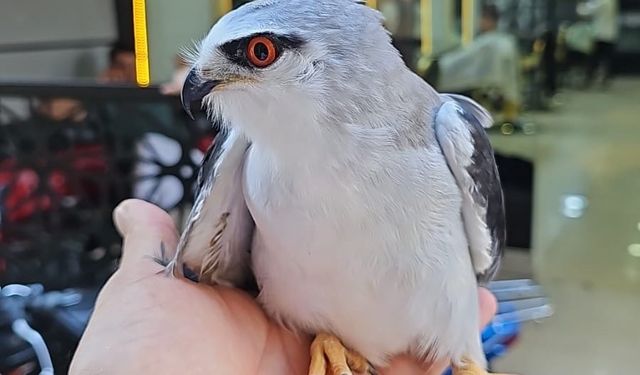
column 365, row 205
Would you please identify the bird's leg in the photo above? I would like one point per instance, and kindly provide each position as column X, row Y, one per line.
column 330, row 357
column 469, row 368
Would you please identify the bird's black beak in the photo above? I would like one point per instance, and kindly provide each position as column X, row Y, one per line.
column 194, row 89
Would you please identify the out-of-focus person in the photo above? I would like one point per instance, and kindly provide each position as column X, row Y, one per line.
column 490, row 62
column 121, row 69
column 181, row 70
column 604, row 19
column 489, row 19
column 122, row 66
column 62, row 109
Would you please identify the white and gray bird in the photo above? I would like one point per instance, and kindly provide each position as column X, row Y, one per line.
column 366, row 205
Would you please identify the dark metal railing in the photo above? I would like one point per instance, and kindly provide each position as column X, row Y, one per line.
column 69, row 153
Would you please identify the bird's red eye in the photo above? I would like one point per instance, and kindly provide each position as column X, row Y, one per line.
column 261, row 51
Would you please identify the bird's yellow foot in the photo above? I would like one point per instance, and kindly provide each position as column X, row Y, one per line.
column 469, row 368
column 330, row 357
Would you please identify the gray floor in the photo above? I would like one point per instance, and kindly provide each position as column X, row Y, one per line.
column 590, row 146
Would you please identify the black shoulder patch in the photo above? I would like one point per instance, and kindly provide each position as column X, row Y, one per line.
column 484, row 172
column 213, row 153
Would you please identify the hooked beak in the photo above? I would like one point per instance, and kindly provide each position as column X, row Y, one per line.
column 194, row 89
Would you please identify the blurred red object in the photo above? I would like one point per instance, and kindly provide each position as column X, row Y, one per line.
column 204, row 142
column 23, row 193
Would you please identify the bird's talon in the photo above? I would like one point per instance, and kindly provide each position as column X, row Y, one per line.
column 328, row 352
column 470, row 368
column 357, row 363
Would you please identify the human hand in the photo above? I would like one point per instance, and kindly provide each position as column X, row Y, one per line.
column 61, row 109
column 145, row 322
column 174, row 87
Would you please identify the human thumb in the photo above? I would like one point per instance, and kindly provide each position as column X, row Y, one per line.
column 148, row 232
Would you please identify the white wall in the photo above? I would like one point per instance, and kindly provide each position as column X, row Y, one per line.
column 442, row 28
column 172, row 25
column 61, row 39
column 58, row 64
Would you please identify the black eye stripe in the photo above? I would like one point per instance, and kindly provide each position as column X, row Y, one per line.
column 236, row 50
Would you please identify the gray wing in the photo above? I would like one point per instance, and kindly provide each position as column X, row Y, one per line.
column 459, row 129
column 216, row 240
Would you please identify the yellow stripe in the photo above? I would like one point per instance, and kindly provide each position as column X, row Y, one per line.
column 372, row 3
column 426, row 22
column 224, row 6
column 468, row 21
column 141, row 42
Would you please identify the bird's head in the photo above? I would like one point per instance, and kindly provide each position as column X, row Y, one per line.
column 277, row 60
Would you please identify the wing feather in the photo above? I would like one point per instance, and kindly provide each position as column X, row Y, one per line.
column 459, row 128
column 216, row 240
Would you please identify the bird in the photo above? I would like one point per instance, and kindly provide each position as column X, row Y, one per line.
column 363, row 206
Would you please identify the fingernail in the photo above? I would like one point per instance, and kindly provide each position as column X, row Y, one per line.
column 120, row 215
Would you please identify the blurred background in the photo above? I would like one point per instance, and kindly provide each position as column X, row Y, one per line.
column 89, row 115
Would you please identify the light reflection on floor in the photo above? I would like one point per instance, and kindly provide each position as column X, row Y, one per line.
column 589, row 147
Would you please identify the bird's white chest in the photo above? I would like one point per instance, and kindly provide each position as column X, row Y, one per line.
column 350, row 251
